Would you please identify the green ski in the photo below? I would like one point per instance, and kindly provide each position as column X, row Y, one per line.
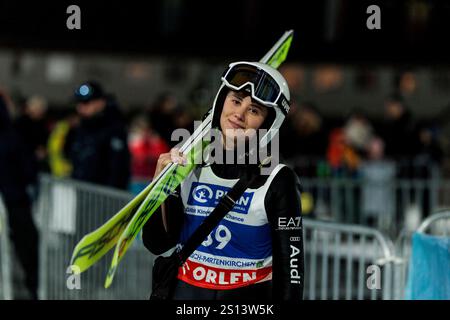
column 97, row 243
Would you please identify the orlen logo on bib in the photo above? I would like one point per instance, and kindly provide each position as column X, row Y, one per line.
column 209, row 195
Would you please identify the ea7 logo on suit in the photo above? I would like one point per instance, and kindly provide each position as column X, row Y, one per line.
column 289, row 223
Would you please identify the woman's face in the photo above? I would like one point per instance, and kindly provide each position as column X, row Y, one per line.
column 240, row 115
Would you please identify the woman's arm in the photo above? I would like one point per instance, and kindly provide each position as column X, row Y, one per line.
column 160, row 233
column 162, row 230
column 283, row 206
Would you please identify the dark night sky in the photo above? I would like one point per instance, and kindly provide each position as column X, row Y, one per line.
column 214, row 29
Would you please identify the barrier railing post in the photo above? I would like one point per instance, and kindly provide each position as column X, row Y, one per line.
column 43, row 226
column 6, row 287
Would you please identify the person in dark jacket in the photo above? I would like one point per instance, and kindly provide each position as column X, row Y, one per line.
column 98, row 147
column 33, row 128
column 397, row 129
column 163, row 116
column 17, row 173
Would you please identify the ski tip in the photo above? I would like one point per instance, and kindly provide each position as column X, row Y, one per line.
column 107, row 283
column 290, row 33
column 73, row 260
column 80, row 268
column 110, row 275
column 277, row 54
column 286, row 35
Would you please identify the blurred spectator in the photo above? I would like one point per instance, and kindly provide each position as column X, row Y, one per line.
column 162, row 115
column 358, row 132
column 295, row 77
column 429, row 153
column 17, row 173
column 145, row 146
column 183, row 119
column 98, row 147
column 427, row 160
column 32, row 125
column 303, row 138
column 305, row 127
column 407, row 83
column 378, row 193
column 60, row 166
column 342, row 157
column 397, row 129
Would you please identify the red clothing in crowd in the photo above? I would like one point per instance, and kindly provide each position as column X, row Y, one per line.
column 145, row 150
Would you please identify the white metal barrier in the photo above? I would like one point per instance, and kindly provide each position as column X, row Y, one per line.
column 389, row 206
column 67, row 210
column 6, row 290
column 437, row 224
column 341, row 261
column 347, row 262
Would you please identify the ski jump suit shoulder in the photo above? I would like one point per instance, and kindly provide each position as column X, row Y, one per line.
column 255, row 252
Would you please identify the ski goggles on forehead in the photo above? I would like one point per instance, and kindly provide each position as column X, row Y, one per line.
column 264, row 88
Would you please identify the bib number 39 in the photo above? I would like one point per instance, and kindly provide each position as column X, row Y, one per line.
column 222, row 235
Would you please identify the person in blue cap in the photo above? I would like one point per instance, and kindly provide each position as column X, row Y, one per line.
column 98, row 147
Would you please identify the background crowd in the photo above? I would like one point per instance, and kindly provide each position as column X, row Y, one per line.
column 98, row 141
